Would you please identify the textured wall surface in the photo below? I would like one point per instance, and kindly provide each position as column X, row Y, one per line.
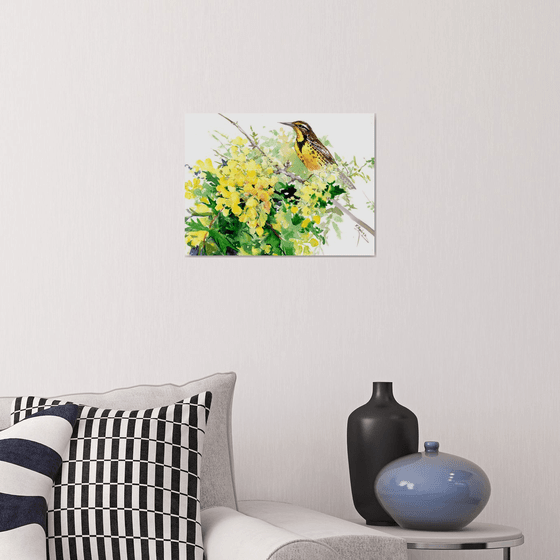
column 460, row 309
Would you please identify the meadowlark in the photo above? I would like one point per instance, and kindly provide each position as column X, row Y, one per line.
column 312, row 152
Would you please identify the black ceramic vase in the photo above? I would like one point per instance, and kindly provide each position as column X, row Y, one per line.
column 378, row 432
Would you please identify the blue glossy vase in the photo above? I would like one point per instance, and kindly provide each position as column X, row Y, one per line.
column 432, row 491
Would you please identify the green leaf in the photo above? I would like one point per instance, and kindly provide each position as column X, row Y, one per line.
column 221, row 240
column 195, row 225
column 287, row 247
column 274, row 242
column 337, row 230
column 212, row 179
column 211, row 248
column 297, row 219
column 297, row 167
column 335, row 190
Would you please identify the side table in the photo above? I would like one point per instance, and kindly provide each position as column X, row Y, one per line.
column 474, row 536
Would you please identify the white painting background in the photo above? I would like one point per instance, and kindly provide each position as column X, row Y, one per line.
column 351, row 134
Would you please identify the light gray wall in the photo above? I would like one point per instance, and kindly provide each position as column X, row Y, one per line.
column 460, row 308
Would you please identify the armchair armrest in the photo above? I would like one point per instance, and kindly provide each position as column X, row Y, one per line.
column 264, row 530
column 349, row 540
column 230, row 535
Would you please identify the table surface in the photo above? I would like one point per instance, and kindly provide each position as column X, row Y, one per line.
column 474, row 535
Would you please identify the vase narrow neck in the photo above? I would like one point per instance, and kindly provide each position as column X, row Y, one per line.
column 382, row 391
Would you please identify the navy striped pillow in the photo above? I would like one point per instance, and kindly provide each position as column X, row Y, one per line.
column 30, row 458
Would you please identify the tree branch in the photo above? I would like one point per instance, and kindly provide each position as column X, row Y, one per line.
column 253, row 143
column 350, row 215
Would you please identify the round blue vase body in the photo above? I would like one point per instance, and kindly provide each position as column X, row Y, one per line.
column 432, row 491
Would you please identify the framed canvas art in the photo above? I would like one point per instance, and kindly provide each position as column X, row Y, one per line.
column 280, row 184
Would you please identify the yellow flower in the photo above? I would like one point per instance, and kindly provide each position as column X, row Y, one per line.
column 317, row 219
column 239, row 141
column 262, row 183
column 294, row 209
column 201, row 208
column 206, row 165
column 305, row 223
column 220, row 203
column 314, row 242
column 195, row 238
column 255, row 251
column 260, row 231
column 190, row 187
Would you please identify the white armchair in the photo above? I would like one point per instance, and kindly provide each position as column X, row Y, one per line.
column 244, row 530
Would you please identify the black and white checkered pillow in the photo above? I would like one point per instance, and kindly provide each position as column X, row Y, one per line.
column 129, row 486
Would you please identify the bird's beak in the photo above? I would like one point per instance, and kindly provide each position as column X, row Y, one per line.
column 287, row 124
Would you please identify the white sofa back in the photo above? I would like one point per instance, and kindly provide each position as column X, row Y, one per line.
column 217, row 478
